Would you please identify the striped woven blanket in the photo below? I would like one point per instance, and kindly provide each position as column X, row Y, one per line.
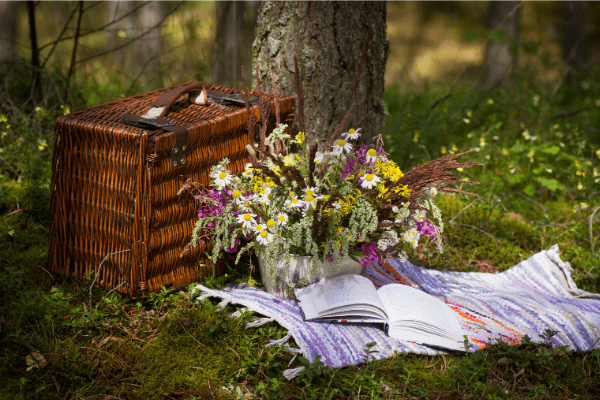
column 530, row 298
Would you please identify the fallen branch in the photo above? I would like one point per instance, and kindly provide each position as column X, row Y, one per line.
column 440, row 100
column 461, row 211
column 98, row 274
column 565, row 114
column 477, row 229
column 544, row 209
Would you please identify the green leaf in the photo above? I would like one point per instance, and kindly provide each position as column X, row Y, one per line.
column 529, row 190
column 473, row 34
column 550, row 183
column 553, row 150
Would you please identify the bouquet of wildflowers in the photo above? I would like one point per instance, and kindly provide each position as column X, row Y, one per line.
column 349, row 200
column 346, row 202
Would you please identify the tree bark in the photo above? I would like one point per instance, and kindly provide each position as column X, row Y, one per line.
column 575, row 37
column 236, row 24
column 500, row 61
column 8, row 30
column 327, row 38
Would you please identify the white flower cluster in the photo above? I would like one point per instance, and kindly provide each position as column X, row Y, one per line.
column 389, row 238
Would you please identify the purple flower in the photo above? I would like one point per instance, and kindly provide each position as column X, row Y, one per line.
column 370, row 252
column 427, row 229
column 234, row 249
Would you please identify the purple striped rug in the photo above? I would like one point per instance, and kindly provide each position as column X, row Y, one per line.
column 531, row 297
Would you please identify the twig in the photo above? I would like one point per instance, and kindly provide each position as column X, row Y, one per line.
column 109, row 292
column 14, row 212
column 461, row 211
column 440, row 100
column 594, row 345
column 477, row 229
column 132, row 40
column 55, row 43
column 544, row 209
column 99, row 29
column 591, row 235
column 98, row 273
column 565, row 114
column 75, row 42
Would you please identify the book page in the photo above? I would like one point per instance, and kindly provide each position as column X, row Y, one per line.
column 424, row 316
column 341, row 296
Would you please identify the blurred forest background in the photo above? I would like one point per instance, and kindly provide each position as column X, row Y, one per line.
column 114, row 49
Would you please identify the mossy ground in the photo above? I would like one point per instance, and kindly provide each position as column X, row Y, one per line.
column 166, row 346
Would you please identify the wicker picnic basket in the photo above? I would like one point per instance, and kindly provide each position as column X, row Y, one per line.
column 117, row 169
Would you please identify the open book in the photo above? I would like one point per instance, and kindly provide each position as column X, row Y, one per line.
column 409, row 313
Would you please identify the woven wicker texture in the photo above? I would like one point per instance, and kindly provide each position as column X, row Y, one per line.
column 114, row 189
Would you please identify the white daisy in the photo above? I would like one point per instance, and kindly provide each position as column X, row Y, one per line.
column 266, row 196
column 369, row 181
column 341, row 145
column 281, row 218
column 264, row 237
column 352, row 134
column 238, row 199
column 310, row 191
column 403, row 214
column 411, row 236
column 432, row 192
column 310, row 201
column 248, row 172
column 336, row 205
column 294, row 203
column 247, row 220
column 258, row 228
column 319, row 157
column 289, row 160
column 222, row 180
column 371, row 155
column 419, row 215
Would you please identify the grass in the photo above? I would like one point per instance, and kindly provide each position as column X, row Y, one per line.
column 165, row 346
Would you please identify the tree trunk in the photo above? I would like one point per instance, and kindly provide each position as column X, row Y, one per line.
column 236, row 23
column 575, row 38
column 500, row 60
column 8, row 30
column 327, row 38
column 144, row 56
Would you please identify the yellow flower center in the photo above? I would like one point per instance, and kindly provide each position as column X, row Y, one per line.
column 259, row 228
column 247, row 217
column 292, row 194
column 372, row 152
column 281, row 218
column 264, row 234
column 369, row 177
column 309, row 192
column 351, row 131
column 294, row 201
column 236, row 194
column 309, row 198
column 271, row 223
column 341, row 143
column 222, row 175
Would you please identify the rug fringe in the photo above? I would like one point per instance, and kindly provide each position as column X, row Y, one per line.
column 223, row 304
column 290, row 374
column 238, row 313
column 279, row 342
column 259, row 322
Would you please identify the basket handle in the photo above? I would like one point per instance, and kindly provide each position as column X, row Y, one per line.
column 196, row 94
